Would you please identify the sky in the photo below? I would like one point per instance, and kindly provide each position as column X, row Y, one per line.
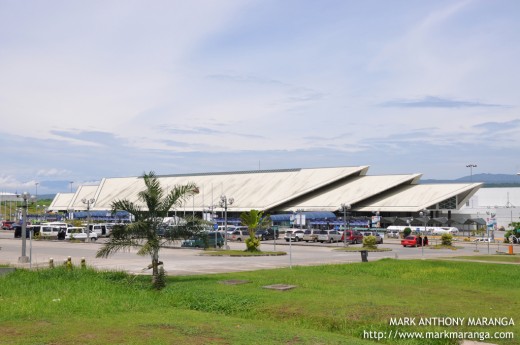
column 93, row 89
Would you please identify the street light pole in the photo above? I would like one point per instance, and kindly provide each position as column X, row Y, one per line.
column 423, row 214
column 300, row 213
column 471, row 166
column 224, row 202
column 88, row 202
column 26, row 197
column 71, row 182
column 346, row 209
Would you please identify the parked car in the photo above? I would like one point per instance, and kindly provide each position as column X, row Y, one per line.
column 102, row 230
column 411, row 241
column 7, row 225
column 311, row 235
column 485, row 239
column 377, row 235
column 18, row 230
column 266, row 234
column 293, row 235
column 204, row 240
column 239, row 235
column 329, row 236
column 50, row 231
column 78, row 233
column 352, row 236
column 392, row 233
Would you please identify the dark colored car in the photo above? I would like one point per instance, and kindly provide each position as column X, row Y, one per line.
column 18, row 230
column 266, row 234
column 206, row 240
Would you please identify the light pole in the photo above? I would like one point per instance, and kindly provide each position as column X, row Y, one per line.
column 224, row 202
column 471, row 166
column 300, row 212
column 210, row 211
column 346, row 210
column 423, row 214
column 26, row 198
column 88, row 202
column 71, row 182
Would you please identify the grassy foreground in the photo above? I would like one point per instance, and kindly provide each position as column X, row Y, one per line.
column 493, row 258
column 332, row 304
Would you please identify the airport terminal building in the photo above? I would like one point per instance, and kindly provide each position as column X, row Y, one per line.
column 321, row 194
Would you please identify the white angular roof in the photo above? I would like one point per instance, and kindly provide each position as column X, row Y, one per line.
column 61, row 202
column 351, row 192
column 316, row 189
column 414, row 198
column 260, row 190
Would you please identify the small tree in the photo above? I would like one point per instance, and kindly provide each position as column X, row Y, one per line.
column 254, row 219
column 143, row 233
column 370, row 242
column 446, row 239
column 407, row 231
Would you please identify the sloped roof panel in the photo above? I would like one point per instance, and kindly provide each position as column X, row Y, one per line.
column 61, row 202
column 83, row 192
column 352, row 192
column 417, row 197
column 260, row 189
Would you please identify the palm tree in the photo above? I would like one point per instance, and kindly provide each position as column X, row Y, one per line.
column 143, row 233
column 253, row 220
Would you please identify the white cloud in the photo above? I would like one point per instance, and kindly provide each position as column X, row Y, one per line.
column 89, row 89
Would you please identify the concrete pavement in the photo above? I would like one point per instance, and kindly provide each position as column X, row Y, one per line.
column 187, row 261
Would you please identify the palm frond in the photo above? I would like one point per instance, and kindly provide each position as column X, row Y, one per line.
column 153, row 193
column 115, row 245
column 178, row 195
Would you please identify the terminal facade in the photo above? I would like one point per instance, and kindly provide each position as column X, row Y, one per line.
column 317, row 194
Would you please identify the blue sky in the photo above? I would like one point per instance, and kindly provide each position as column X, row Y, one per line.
column 93, row 89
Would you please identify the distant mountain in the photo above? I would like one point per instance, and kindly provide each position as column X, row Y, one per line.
column 489, row 180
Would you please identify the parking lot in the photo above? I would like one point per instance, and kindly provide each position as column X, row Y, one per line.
column 187, row 261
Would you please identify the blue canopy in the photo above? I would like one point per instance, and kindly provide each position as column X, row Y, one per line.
column 308, row 216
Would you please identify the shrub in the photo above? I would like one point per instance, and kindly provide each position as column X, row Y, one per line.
column 446, row 239
column 159, row 281
column 506, row 235
column 370, row 242
column 252, row 244
column 407, row 231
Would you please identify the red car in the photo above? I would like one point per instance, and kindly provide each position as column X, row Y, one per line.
column 412, row 241
column 353, row 236
column 7, row 225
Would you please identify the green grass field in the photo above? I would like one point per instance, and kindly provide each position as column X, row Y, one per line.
column 332, row 304
column 493, row 258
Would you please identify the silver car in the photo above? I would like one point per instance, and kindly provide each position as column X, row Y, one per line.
column 329, row 236
column 379, row 238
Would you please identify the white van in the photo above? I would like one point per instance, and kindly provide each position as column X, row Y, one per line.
column 50, row 231
column 79, row 233
column 101, row 229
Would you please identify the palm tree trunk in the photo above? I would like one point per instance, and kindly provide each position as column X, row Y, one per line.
column 155, row 263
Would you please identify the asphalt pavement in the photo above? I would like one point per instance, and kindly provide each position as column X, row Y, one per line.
column 188, row 261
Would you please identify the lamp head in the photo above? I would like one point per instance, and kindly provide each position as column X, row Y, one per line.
column 223, row 198
column 84, row 200
column 92, row 200
column 231, row 201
